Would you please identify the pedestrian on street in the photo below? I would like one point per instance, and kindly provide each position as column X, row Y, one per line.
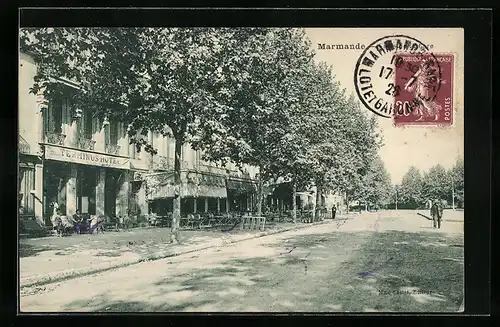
column 437, row 213
column 334, row 211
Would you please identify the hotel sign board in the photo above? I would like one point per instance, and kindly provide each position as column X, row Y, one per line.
column 85, row 158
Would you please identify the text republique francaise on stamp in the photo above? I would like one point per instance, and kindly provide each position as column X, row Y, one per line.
column 398, row 77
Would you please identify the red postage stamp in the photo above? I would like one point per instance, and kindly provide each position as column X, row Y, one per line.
column 424, row 94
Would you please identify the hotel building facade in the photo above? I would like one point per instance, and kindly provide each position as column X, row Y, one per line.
column 88, row 164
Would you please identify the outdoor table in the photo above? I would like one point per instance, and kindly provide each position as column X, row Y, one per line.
column 216, row 220
column 166, row 221
column 228, row 219
column 235, row 219
column 183, row 219
column 204, row 221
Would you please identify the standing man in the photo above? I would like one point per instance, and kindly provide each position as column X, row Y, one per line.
column 437, row 213
column 334, row 211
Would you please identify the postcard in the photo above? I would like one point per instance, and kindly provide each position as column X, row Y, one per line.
column 241, row 169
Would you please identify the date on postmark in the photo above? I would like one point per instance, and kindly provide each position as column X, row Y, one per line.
column 397, row 77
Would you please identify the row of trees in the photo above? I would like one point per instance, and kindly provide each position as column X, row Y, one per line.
column 248, row 95
column 416, row 189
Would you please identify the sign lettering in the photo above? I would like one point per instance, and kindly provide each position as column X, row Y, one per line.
column 76, row 156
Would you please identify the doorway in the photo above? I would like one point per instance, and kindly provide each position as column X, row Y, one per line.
column 86, row 183
column 111, row 186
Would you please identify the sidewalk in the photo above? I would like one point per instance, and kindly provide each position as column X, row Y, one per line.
column 51, row 259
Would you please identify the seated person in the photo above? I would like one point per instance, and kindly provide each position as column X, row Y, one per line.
column 57, row 224
column 153, row 218
column 67, row 223
column 79, row 222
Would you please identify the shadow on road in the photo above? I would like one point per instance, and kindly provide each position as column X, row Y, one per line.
column 26, row 250
column 338, row 272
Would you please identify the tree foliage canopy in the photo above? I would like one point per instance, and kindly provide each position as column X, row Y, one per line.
column 437, row 183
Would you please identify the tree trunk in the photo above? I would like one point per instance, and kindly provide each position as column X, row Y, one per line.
column 260, row 194
column 318, row 204
column 347, row 203
column 176, row 215
column 294, row 203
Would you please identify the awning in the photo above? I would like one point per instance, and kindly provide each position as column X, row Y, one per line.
column 308, row 194
column 239, row 186
column 23, row 146
column 193, row 184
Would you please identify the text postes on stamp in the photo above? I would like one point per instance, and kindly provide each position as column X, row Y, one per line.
column 375, row 72
column 425, row 89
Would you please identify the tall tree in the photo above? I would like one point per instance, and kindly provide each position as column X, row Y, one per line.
column 366, row 140
column 435, row 184
column 376, row 188
column 456, row 182
column 410, row 190
column 257, row 128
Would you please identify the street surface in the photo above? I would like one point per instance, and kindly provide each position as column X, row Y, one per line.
column 372, row 262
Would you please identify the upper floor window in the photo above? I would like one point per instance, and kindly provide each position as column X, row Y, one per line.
column 87, row 124
column 198, row 160
column 54, row 115
column 112, row 133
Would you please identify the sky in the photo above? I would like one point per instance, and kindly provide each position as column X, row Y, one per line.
column 420, row 146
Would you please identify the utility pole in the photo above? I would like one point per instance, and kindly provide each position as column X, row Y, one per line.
column 452, row 194
column 396, row 198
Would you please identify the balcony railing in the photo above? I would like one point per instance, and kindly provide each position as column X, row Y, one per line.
column 85, row 144
column 113, row 149
column 165, row 163
column 55, row 138
column 211, row 169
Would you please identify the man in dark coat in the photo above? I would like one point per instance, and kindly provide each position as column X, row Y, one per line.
column 334, row 211
column 437, row 213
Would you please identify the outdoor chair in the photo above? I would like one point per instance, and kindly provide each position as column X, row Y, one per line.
column 68, row 226
column 165, row 221
column 198, row 220
column 57, row 226
column 190, row 221
column 92, row 224
column 305, row 216
column 153, row 220
column 228, row 219
column 212, row 221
